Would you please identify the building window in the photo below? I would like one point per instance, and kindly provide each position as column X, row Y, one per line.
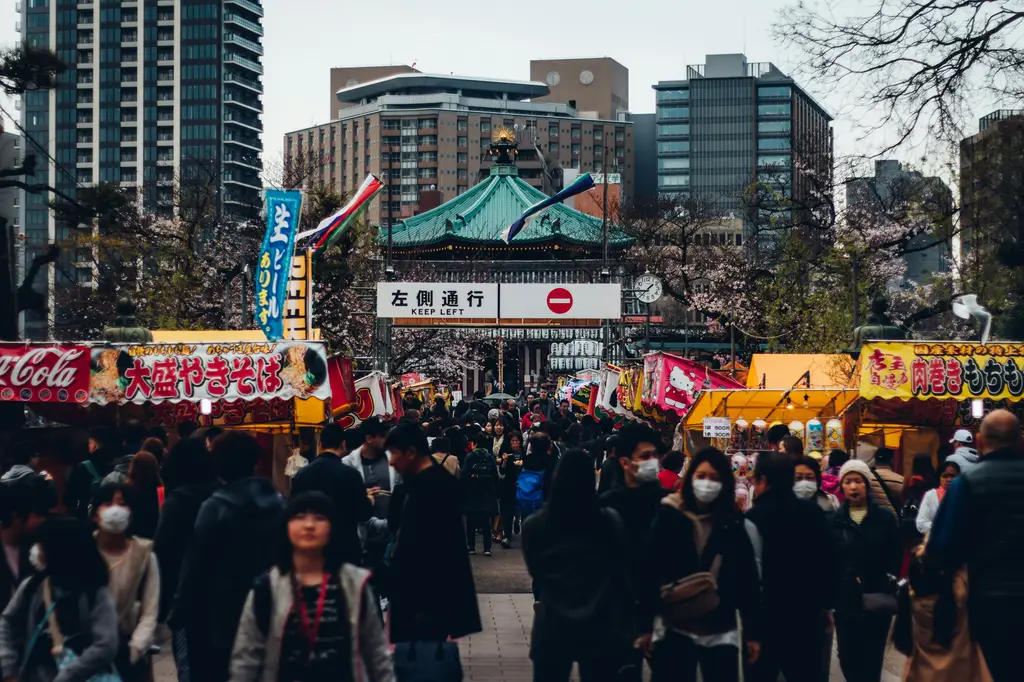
column 461, row 189
column 674, row 163
column 463, row 142
column 575, row 150
column 774, row 126
column 553, row 130
column 620, row 152
column 485, row 127
column 598, row 134
column 83, row 176
column 773, row 160
column 84, row 156
column 620, row 135
column 575, row 133
column 462, row 157
column 129, row 175
column 463, row 124
column 673, row 181
column 462, row 174
column 673, row 112
column 773, row 143
column 670, row 129
column 552, row 147
column 673, row 95
column 782, row 91
column 673, row 146
column 774, row 109
column 598, row 152
column 84, row 136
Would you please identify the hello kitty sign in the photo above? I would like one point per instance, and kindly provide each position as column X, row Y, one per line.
column 677, row 383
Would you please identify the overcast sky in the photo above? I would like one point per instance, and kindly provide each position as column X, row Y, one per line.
column 654, row 39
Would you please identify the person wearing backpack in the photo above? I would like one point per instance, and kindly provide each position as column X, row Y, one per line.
column 480, row 480
column 313, row 617
column 87, row 477
column 886, row 484
column 538, row 465
column 134, row 579
column 441, row 450
column 700, row 569
column 509, row 467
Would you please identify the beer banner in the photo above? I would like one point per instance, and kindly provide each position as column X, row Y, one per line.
column 993, row 371
column 156, row 372
column 44, row 373
column 274, row 266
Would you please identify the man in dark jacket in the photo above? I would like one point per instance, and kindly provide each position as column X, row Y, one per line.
column 342, row 484
column 104, row 448
column 797, row 558
column 980, row 524
column 231, row 548
column 480, row 485
column 431, row 535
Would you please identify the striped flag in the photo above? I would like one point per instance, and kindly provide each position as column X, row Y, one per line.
column 333, row 226
column 582, row 184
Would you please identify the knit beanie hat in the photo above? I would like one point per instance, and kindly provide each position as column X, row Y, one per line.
column 855, row 466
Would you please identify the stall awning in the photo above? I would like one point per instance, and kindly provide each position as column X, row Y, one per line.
column 770, row 404
column 783, row 371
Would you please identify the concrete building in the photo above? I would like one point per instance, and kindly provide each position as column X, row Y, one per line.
column 422, row 132
column 155, row 94
column 892, row 189
column 596, row 87
column 347, row 76
column 730, row 123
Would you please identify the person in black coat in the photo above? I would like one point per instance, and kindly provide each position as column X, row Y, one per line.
column 480, row 484
column 341, row 483
column 433, row 595
column 26, row 499
column 797, row 558
column 868, row 554
column 509, row 466
column 693, row 527
column 105, row 448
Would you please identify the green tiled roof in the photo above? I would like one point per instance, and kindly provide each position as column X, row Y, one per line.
column 481, row 213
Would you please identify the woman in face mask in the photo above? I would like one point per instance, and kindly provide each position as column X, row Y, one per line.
column 61, row 622
column 932, row 498
column 807, row 485
column 134, row 580
column 703, row 570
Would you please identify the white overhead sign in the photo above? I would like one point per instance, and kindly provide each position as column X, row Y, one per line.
column 557, row 301
column 437, row 300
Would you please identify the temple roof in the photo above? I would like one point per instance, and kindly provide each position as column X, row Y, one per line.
column 480, row 214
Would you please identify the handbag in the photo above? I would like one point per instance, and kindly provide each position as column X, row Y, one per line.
column 423, row 661
column 62, row 655
column 690, row 598
column 879, row 603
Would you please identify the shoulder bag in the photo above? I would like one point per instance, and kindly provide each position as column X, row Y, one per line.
column 63, row 656
column 694, row 596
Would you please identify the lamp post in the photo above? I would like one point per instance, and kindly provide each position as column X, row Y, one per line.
column 389, row 268
column 245, row 295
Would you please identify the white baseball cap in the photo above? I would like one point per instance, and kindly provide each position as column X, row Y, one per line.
column 962, row 436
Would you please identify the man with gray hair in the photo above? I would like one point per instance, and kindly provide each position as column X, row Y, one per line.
column 980, row 525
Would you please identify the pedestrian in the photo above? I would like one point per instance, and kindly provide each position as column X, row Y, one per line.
column 86, row 477
column 229, row 549
column 792, row 446
column 980, row 526
column 922, row 479
column 509, row 466
column 868, row 551
column 313, row 616
column 548, row 407
column 797, row 557
column 830, row 475
column 933, row 498
column 438, row 410
column 610, row 475
column 489, row 429
column 343, row 485
column 774, row 436
column 964, row 455
column 146, row 492
column 211, row 435
column 134, row 579
column 671, row 466
column 155, row 447
column 441, row 451
column 431, row 534
column 807, row 484
column 26, row 499
column 499, row 441
column 535, row 476
column 480, row 482
column 575, row 551
column 697, row 532
column 886, row 484
column 61, row 623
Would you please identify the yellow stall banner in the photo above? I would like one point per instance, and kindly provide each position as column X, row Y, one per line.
column 942, row 370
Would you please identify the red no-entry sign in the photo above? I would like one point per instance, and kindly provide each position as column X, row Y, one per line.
column 559, row 301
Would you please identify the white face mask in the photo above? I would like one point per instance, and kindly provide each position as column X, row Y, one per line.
column 114, row 519
column 35, row 557
column 805, row 490
column 706, row 491
column 647, row 471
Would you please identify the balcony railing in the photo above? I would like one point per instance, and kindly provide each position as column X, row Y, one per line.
column 244, row 42
column 232, row 18
column 245, row 4
column 250, row 83
column 242, row 61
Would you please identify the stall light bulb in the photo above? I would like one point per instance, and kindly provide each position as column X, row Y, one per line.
column 807, row 401
column 789, row 403
column 205, row 407
column 977, row 408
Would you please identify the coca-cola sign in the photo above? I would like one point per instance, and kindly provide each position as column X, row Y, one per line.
column 49, row 374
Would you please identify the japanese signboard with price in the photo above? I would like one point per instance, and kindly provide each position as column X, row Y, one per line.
column 274, row 265
column 155, row 373
column 437, row 300
column 717, row 427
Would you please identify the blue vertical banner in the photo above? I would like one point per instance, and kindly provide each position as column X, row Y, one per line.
column 275, row 262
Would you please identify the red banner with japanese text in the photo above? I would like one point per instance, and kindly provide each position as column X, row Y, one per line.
column 155, row 372
column 993, row 371
column 44, row 373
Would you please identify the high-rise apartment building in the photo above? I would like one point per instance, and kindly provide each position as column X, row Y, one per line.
column 422, row 132
column 894, row 190
column 730, row 123
column 156, row 93
column 596, row 88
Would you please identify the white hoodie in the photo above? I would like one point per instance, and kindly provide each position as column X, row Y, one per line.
column 966, row 458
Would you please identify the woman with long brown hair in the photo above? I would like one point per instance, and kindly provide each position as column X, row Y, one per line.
column 145, row 484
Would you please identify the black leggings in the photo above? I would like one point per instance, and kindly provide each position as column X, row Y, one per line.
column 676, row 658
column 476, row 522
column 861, row 641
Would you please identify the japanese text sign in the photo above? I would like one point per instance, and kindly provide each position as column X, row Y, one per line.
column 717, row 427
column 274, row 266
column 129, row 373
column 437, row 299
column 942, row 370
column 298, row 308
column 46, row 374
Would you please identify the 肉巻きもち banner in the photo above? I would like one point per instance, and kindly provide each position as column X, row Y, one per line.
column 942, row 370
column 157, row 372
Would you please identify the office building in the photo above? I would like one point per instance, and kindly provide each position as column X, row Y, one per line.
column 894, row 190
column 645, row 157
column 991, row 187
column 347, row 76
column 595, row 88
column 422, row 132
column 730, row 123
column 156, row 94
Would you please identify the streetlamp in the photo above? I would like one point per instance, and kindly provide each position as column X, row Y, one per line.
column 245, row 294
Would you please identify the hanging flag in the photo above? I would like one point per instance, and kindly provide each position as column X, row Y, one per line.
column 333, row 226
column 582, row 184
column 275, row 261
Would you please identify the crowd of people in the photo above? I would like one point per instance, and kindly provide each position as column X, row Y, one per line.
column 638, row 556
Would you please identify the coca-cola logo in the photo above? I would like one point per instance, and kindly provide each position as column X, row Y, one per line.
column 49, row 367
